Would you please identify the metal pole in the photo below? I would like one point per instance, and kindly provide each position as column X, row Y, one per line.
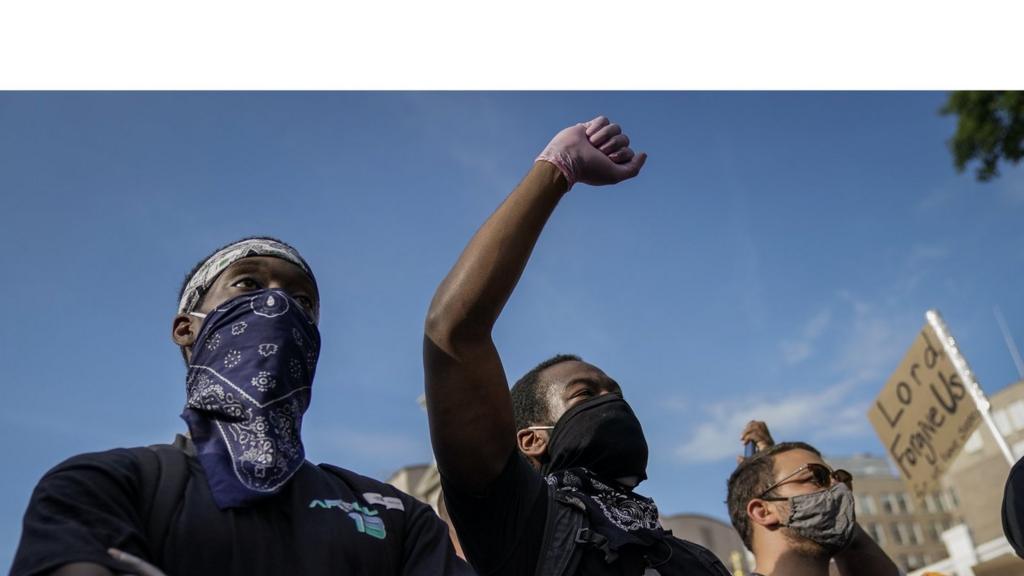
column 1009, row 341
column 964, row 370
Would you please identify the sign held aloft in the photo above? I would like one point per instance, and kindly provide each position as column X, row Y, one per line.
column 928, row 409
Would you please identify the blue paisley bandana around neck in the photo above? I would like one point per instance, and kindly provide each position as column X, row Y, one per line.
column 249, row 383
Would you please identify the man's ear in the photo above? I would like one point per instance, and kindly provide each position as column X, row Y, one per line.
column 762, row 514
column 533, row 443
column 184, row 330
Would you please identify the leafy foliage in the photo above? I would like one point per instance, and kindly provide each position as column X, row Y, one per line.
column 990, row 128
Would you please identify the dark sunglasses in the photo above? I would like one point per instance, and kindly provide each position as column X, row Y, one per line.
column 821, row 475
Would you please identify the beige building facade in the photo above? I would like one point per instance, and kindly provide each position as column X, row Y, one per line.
column 956, row 531
column 910, row 533
column 979, row 473
column 978, row 476
column 717, row 536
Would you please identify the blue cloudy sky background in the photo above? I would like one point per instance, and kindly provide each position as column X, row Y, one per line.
column 774, row 260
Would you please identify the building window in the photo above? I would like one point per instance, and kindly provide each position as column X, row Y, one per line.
column 913, row 562
column 905, row 533
column 1002, row 419
column 870, row 506
column 933, row 530
column 1016, row 411
column 888, row 503
column 918, row 534
column 865, row 504
column 949, row 501
column 903, row 503
column 877, row 533
column 897, row 535
column 974, row 442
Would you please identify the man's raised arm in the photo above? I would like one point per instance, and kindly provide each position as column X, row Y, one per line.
column 468, row 401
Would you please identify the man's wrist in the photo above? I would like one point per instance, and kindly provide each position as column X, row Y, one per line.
column 855, row 543
column 551, row 174
column 562, row 160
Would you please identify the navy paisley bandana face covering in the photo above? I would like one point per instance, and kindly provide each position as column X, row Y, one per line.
column 249, row 383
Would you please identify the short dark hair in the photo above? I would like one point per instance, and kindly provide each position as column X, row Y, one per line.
column 199, row 264
column 749, row 480
column 529, row 398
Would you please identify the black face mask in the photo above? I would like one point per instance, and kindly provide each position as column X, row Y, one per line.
column 603, row 436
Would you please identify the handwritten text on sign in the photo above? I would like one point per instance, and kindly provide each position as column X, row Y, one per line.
column 924, row 415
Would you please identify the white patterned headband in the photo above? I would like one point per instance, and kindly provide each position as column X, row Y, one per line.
column 214, row 265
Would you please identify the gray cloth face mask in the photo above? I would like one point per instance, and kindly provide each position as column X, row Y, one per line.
column 825, row 517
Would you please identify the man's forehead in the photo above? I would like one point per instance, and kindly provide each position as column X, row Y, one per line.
column 268, row 264
column 566, row 372
column 206, row 274
column 788, row 461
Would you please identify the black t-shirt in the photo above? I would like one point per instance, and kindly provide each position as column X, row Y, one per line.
column 324, row 521
column 1013, row 508
column 501, row 532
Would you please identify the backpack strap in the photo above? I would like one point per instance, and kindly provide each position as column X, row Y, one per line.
column 164, row 474
column 565, row 529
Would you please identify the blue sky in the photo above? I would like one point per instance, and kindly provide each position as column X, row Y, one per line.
column 774, row 260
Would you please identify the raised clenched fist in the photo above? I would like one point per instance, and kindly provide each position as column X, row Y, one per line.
column 595, row 152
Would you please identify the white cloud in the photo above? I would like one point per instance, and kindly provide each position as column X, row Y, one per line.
column 870, row 348
column 937, row 198
column 874, row 345
column 922, row 254
column 796, row 350
column 918, row 265
column 791, row 416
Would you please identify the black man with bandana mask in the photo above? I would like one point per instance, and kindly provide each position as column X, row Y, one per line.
column 236, row 496
column 547, row 493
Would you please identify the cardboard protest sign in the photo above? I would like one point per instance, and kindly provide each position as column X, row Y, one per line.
column 925, row 413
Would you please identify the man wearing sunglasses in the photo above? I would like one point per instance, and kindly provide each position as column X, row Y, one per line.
column 796, row 514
